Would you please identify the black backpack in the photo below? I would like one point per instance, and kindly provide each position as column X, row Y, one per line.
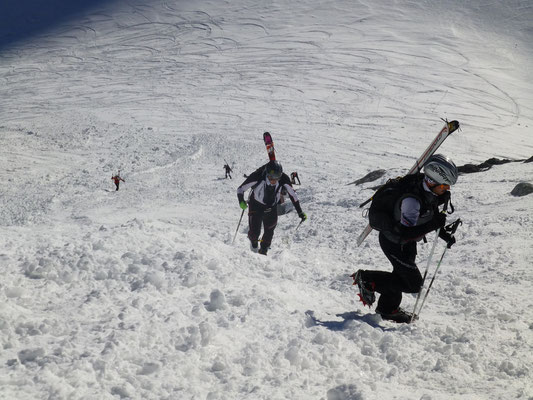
column 381, row 212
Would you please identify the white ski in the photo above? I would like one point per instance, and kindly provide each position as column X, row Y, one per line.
column 447, row 130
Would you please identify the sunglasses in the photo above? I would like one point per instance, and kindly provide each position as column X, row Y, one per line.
column 441, row 187
column 434, row 185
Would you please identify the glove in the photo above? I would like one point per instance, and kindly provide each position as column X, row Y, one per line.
column 409, row 233
column 243, row 205
column 449, row 239
column 439, row 220
column 303, row 216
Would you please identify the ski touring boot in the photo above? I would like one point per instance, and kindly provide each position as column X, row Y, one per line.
column 400, row 316
column 263, row 250
column 254, row 246
column 366, row 292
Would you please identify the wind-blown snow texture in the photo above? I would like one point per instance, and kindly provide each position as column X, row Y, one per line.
column 140, row 294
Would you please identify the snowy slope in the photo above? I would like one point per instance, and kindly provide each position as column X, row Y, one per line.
column 140, row 294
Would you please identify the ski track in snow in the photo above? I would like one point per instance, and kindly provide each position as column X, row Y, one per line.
column 140, row 294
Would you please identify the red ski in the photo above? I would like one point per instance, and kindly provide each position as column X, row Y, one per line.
column 269, row 143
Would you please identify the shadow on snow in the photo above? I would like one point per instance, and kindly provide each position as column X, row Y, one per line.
column 369, row 319
column 23, row 19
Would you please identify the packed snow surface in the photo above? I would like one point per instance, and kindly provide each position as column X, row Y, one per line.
column 140, row 293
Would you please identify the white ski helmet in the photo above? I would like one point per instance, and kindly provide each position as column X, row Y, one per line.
column 441, row 169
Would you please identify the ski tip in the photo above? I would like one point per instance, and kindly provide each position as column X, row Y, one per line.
column 267, row 139
column 453, row 126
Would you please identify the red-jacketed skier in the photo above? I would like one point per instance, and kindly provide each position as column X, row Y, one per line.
column 294, row 178
column 117, row 179
column 266, row 184
column 414, row 214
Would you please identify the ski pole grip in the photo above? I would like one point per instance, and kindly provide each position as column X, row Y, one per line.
column 454, row 225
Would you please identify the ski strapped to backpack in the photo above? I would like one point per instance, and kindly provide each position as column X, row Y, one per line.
column 447, row 130
column 269, row 143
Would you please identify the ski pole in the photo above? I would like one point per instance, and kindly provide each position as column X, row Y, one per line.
column 304, row 218
column 432, row 280
column 425, row 274
column 237, row 230
column 451, row 228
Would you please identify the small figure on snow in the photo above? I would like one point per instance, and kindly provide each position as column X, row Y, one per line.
column 415, row 214
column 228, row 170
column 294, row 177
column 266, row 184
column 117, row 179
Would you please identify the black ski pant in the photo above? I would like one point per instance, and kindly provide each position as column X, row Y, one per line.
column 405, row 276
column 259, row 215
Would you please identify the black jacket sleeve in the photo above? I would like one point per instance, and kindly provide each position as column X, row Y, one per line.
column 415, row 232
column 298, row 208
column 249, row 182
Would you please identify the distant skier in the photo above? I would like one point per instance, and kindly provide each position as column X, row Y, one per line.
column 266, row 184
column 415, row 214
column 117, row 179
column 228, row 170
column 294, row 177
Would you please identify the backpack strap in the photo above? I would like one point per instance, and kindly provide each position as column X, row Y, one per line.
column 261, row 179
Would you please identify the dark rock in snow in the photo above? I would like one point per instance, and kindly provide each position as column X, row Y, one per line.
column 522, row 189
column 471, row 168
column 484, row 166
column 370, row 177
